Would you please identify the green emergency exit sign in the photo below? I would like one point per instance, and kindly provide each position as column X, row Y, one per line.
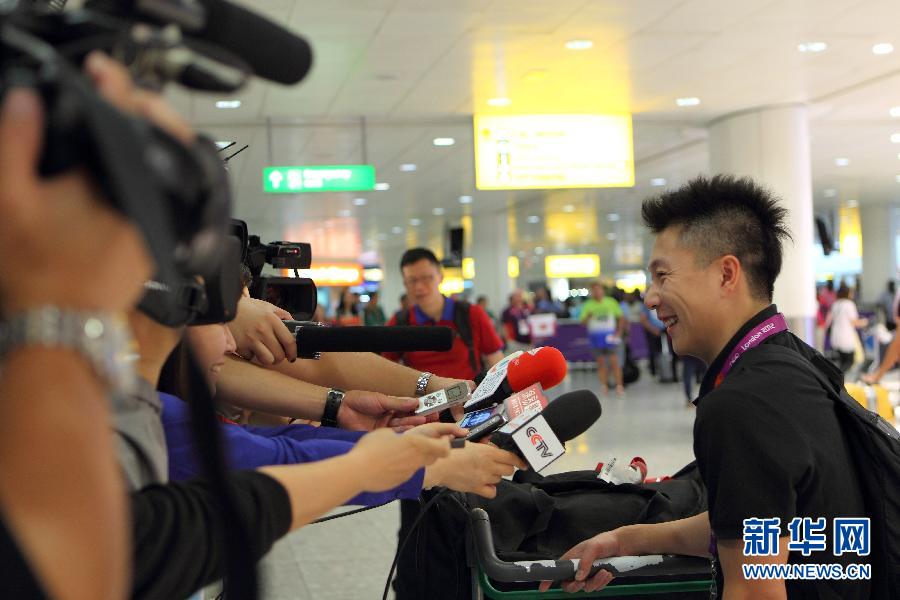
column 340, row 178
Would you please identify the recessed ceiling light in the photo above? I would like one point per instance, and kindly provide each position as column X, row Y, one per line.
column 359, row 201
column 437, row 211
column 415, row 222
column 852, row 203
column 895, row 111
column 568, row 208
column 465, row 199
column 396, row 230
column 533, row 219
column 579, row 44
column 613, row 217
column 228, row 104
column 382, row 187
column 812, row 47
column 841, row 162
column 539, row 250
column 346, row 212
column 408, row 167
column 223, row 144
column 689, row 101
column 658, row 181
column 499, row 101
column 443, row 141
column 829, row 193
column 611, row 236
column 883, row 48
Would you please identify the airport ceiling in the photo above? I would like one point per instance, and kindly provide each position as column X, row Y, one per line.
column 391, row 75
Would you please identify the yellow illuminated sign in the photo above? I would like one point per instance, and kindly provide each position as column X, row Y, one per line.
column 631, row 280
column 452, row 285
column 468, row 268
column 512, row 267
column 373, row 274
column 336, row 274
column 514, row 152
column 572, row 265
column 850, row 235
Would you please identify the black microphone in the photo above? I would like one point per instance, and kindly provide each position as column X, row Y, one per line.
column 269, row 49
column 313, row 339
column 540, row 438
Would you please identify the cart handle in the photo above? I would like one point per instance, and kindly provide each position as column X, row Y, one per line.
column 657, row 565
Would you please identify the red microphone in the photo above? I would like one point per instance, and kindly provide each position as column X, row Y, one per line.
column 545, row 365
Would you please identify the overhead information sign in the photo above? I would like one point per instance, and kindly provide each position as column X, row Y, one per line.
column 572, row 265
column 339, row 178
column 553, row 151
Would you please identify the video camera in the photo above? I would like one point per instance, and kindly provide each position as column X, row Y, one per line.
column 297, row 295
column 178, row 196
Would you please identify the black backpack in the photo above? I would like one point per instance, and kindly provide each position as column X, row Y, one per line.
column 875, row 447
column 463, row 321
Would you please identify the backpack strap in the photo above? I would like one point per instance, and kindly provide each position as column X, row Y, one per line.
column 462, row 319
column 404, row 318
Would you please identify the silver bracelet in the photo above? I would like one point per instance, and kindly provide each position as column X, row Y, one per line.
column 422, row 383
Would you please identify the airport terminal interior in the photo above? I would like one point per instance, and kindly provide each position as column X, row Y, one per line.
column 517, row 139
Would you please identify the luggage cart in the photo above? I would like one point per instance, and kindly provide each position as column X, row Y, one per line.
column 636, row 576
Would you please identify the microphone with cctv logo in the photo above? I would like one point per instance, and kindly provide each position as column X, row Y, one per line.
column 540, row 438
column 545, row 365
column 313, row 339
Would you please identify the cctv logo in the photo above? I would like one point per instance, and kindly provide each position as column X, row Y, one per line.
column 538, row 442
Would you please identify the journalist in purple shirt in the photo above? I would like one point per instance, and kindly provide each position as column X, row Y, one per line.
column 251, row 447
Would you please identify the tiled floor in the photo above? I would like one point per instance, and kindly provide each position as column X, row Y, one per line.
column 348, row 559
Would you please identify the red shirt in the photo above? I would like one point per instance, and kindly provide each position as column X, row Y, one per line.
column 454, row 362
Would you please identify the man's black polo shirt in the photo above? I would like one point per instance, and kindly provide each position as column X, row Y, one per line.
column 769, row 444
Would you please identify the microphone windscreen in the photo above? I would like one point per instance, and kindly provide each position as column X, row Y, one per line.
column 545, row 365
column 373, row 339
column 272, row 51
column 572, row 414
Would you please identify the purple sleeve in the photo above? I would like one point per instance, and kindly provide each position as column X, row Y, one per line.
column 250, row 448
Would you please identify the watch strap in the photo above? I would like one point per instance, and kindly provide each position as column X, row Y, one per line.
column 332, row 405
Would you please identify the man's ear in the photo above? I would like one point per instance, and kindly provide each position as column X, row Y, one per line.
column 730, row 271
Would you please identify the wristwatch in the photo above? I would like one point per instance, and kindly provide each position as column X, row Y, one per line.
column 422, row 383
column 103, row 339
column 332, row 406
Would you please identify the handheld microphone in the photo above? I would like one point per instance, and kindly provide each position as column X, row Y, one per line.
column 540, row 438
column 545, row 365
column 313, row 339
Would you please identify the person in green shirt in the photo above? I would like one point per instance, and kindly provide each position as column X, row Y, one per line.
column 373, row 314
column 606, row 325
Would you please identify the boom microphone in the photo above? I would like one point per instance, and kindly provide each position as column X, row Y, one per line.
column 545, row 365
column 313, row 339
column 540, row 438
column 269, row 49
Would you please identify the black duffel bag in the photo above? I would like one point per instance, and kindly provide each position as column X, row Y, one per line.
column 534, row 517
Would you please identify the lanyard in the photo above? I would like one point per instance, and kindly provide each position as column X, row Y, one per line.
column 754, row 338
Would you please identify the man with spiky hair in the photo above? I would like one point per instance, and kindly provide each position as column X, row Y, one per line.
column 767, row 438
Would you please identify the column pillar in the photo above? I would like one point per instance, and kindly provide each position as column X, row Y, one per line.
column 489, row 248
column 771, row 145
column 879, row 262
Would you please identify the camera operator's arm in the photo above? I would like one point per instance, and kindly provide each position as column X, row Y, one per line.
column 246, row 385
column 179, row 525
column 60, row 488
column 260, row 334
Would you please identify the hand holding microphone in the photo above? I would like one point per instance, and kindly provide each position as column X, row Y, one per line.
column 545, row 365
